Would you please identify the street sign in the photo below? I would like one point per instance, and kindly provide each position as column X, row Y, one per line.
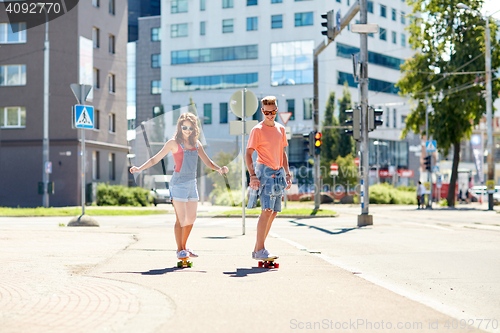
column 235, row 126
column 490, row 186
column 356, row 161
column 369, row 28
column 285, row 116
column 288, row 132
column 427, row 187
column 334, row 166
column 80, row 92
column 251, row 103
column 48, row 167
column 435, row 169
column 84, row 116
column 338, row 20
column 430, row 145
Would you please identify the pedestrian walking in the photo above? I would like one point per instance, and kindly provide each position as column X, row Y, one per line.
column 270, row 175
column 420, row 194
column 185, row 148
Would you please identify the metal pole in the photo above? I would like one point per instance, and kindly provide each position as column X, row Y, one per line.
column 286, row 149
column 363, row 82
column 243, row 184
column 427, row 139
column 46, row 113
column 489, row 111
column 317, row 200
column 82, row 102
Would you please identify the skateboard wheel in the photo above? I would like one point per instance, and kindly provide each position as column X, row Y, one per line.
column 266, row 265
column 190, row 264
column 179, row 264
column 276, row 265
column 261, row 264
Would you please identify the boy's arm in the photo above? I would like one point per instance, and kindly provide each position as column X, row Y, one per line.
column 287, row 170
column 249, row 161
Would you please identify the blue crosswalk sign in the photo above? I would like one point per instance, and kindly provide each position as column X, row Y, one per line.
column 84, row 116
column 430, row 145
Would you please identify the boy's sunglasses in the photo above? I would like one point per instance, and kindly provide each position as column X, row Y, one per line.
column 187, row 128
column 267, row 113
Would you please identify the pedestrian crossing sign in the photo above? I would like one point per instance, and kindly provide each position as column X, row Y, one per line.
column 84, row 116
column 430, row 145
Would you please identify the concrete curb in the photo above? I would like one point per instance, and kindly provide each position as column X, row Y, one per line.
column 277, row 216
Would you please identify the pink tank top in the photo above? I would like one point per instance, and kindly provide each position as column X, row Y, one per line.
column 178, row 157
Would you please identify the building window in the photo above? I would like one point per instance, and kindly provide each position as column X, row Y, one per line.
column 95, row 165
column 112, row 123
column 157, row 111
column 179, row 30
column 12, row 75
column 276, row 21
column 202, row 5
column 130, row 124
column 345, row 51
column 251, row 2
column 387, row 116
column 308, row 106
column 202, row 28
column 394, row 118
column 97, row 81
column 393, row 14
column 223, row 113
column 111, row 44
column 403, row 120
column 382, row 34
column 112, row 162
column 373, row 84
column 95, row 3
column 156, row 60
column 403, row 18
column 112, row 7
column 394, row 37
column 369, row 5
column 383, row 11
column 95, row 37
column 97, row 119
column 13, row 117
column 339, row 1
column 155, row 34
column 176, row 113
column 13, row 33
column 303, row 19
column 179, row 6
column 207, row 113
column 227, row 3
column 242, row 52
column 276, row 1
column 227, row 26
column 403, row 40
column 292, row 63
column 112, row 82
column 252, row 23
column 229, row 81
column 155, row 87
column 291, row 108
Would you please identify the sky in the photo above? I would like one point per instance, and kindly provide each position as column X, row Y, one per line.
column 491, row 6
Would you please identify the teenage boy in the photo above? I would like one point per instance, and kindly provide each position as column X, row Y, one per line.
column 271, row 173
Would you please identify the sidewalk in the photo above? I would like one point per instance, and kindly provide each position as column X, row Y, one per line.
column 122, row 277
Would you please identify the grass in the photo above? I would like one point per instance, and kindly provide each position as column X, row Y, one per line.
column 68, row 211
column 285, row 211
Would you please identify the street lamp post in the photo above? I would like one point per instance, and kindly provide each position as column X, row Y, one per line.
column 45, row 153
column 489, row 106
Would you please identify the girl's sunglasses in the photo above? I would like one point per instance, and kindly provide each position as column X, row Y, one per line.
column 267, row 113
column 187, row 128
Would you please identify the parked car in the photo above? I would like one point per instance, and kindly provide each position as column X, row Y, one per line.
column 160, row 189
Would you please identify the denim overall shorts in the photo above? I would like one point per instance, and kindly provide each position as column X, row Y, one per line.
column 183, row 183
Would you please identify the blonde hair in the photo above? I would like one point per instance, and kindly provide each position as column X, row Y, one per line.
column 194, row 124
column 269, row 100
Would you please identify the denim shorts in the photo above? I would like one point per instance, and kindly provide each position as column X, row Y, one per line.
column 271, row 193
column 183, row 190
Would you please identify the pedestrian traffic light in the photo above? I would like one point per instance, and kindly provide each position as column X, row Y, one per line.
column 329, row 25
column 373, row 114
column 427, row 162
column 355, row 115
column 309, row 143
column 317, row 143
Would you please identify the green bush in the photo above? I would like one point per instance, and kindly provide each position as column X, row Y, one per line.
column 221, row 198
column 387, row 194
column 118, row 195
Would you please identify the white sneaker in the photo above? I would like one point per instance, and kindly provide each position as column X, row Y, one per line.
column 253, row 254
column 264, row 255
column 191, row 253
column 182, row 254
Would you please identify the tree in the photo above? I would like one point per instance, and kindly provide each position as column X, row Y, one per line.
column 330, row 131
column 448, row 40
column 346, row 142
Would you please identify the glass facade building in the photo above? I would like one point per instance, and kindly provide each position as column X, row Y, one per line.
column 292, row 63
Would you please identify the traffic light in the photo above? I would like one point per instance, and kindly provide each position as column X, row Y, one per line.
column 427, row 162
column 309, row 143
column 355, row 121
column 329, row 24
column 317, row 143
column 373, row 114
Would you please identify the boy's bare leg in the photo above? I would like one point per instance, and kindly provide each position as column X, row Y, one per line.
column 263, row 226
column 270, row 223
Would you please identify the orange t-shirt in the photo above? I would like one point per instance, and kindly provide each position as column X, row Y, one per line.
column 269, row 143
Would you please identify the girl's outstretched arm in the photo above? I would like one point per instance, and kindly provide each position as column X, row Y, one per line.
column 170, row 145
column 208, row 162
